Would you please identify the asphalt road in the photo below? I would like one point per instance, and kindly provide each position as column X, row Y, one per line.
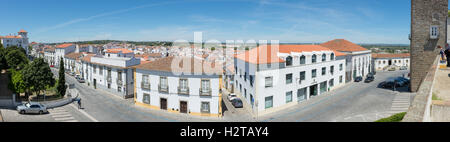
column 353, row 102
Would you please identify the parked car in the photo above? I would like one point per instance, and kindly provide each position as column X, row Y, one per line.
column 72, row 74
column 403, row 68
column 81, row 80
column 402, row 81
column 231, row 96
column 32, row 107
column 389, row 83
column 52, row 66
column 391, row 69
column 358, row 79
column 369, row 79
column 237, row 103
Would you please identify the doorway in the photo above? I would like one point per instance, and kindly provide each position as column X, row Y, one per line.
column 313, row 90
column 163, row 103
column 183, row 107
column 390, row 62
column 95, row 83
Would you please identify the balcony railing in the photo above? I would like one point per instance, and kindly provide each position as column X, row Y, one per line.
column 183, row 90
column 163, row 88
column 119, row 82
column 205, row 92
column 145, row 85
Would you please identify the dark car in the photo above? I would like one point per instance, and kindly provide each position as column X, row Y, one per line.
column 369, row 79
column 358, row 79
column 237, row 103
column 390, row 83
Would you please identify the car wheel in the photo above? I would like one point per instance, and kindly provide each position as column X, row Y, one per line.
column 22, row 112
column 41, row 112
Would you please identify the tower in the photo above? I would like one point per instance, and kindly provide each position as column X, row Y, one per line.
column 428, row 30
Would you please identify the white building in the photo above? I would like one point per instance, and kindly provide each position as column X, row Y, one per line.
column 271, row 78
column 358, row 59
column 180, row 90
column 62, row 50
column 384, row 61
column 111, row 72
column 20, row 40
column 49, row 55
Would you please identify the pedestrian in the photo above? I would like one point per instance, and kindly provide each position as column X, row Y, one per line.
column 442, row 52
column 447, row 54
column 79, row 103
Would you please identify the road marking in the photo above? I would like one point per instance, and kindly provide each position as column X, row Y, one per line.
column 84, row 113
column 64, row 115
column 65, row 118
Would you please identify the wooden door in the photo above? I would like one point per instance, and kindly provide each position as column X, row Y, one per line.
column 163, row 103
column 183, row 106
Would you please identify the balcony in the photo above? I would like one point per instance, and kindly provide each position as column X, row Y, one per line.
column 163, row 89
column 119, row 82
column 183, row 90
column 145, row 85
column 205, row 92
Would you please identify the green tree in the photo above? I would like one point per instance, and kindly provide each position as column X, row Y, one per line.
column 37, row 76
column 16, row 59
column 16, row 84
column 61, row 86
column 3, row 64
column 12, row 48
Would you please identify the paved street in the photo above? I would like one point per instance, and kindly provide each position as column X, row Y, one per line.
column 360, row 102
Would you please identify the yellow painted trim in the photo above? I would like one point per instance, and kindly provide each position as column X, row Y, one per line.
column 147, row 106
column 174, row 111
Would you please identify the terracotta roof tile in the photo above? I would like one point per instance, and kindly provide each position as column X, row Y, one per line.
column 64, row 45
column 164, row 65
column 268, row 54
column 401, row 55
column 343, row 45
column 117, row 50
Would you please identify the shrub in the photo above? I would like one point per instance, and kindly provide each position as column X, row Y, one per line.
column 394, row 118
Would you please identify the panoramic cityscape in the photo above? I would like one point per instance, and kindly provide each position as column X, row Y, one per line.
column 226, row 61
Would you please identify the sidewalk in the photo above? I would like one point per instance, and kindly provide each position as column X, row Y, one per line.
column 1, row 118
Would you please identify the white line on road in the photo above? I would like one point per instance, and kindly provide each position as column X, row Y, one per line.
column 84, row 113
column 63, row 115
column 66, row 118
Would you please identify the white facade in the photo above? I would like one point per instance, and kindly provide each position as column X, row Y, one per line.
column 20, row 40
column 360, row 63
column 110, row 74
column 62, row 50
column 49, row 56
column 382, row 63
column 250, row 82
column 174, row 98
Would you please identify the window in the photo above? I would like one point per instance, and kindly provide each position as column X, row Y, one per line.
column 183, row 85
column 145, row 79
column 100, row 70
column 302, row 75
column 119, row 89
column 245, row 76
column 434, row 32
column 332, row 70
column 95, row 69
column 324, row 71
column 205, row 107
column 289, row 61
column 268, row 82
column 324, row 57
column 313, row 73
column 251, row 80
column 289, row 97
column 205, row 85
column 302, row 60
column 313, row 59
column 332, row 56
column 341, row 67
column 289, row 78
column 163, row 82
column 269, row 102
column 340, row 79
column 146, row 98
column 245, row 93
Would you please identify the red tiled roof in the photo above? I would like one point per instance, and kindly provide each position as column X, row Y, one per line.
column 343, row 45
column 11, row 36
column 22, row 31
column 117, row 50
column 87, row 58
column 268, row 54
column 64, row 45
column 164, row 64
column 401, row 55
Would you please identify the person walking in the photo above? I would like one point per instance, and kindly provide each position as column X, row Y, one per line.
column 442, row 52
column 447, row 54
column 79, row 103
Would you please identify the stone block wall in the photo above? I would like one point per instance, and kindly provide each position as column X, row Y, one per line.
column 424, row 14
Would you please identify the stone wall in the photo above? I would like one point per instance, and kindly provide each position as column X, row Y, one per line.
column 440, row 112
column 424, row 14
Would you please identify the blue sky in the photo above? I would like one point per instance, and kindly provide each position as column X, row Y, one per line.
column 360, row 21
